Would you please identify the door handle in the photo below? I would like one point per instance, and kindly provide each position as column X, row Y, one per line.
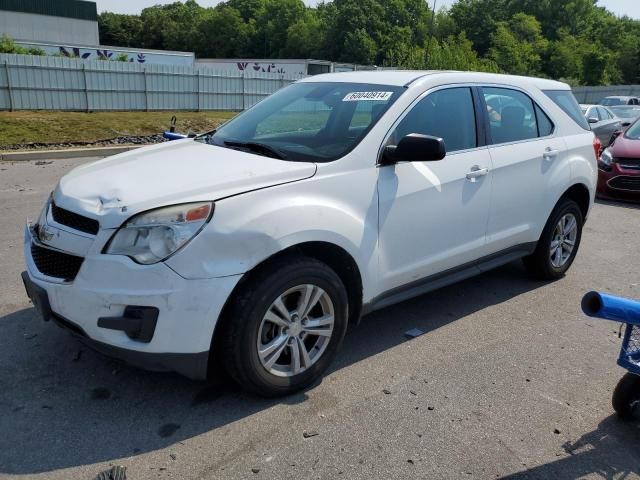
column 550, row 154
column 476, row 172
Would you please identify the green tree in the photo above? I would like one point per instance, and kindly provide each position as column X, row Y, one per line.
column 304, row 38
column 517, row 46
column 273, row 24
column 359, row 47
column 564, row 58
column 224, row 34
column 119, row 30
column 479, row 19
column 594, row 65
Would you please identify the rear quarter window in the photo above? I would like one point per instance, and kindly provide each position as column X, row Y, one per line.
column 567, row 102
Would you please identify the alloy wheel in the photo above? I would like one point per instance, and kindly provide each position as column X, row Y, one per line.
column 295, row 330
column 563, row 241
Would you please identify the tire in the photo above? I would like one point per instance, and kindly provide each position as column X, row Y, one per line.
column 626, row 396
column 541, row 264
column 255, row 321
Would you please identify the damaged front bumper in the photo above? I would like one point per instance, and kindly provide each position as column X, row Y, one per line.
column 146, row 315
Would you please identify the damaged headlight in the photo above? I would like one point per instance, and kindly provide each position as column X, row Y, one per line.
column 606, row 157
column 153, row 236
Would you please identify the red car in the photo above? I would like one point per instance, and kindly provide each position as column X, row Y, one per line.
column 619, row 166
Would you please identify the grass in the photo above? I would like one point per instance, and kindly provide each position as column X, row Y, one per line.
column 62, row 127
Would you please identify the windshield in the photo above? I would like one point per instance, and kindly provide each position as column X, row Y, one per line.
column 633, row 132
column 317, row 122
column 611, row 101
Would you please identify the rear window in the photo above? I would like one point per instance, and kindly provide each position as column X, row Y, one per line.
column 567, row 102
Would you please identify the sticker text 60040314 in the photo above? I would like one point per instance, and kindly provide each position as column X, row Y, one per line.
column 367, row 96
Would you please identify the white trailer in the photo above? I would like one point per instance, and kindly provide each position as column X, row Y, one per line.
column 272, row 65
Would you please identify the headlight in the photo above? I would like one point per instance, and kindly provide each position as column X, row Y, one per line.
column 606, row 157
column 153, row 236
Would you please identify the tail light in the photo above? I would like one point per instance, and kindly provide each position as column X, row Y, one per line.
column 597, row 147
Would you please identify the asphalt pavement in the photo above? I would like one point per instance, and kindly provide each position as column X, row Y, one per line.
column 509, row 380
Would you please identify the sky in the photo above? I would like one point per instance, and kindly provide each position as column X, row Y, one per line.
column 619, row 7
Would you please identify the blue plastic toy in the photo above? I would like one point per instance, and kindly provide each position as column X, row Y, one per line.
column 626, row 397
column 171, row 133
column 173, row 136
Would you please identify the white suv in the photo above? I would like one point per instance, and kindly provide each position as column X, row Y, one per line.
column 255, row 245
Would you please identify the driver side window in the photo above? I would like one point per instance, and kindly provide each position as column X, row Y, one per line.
column 448, row 114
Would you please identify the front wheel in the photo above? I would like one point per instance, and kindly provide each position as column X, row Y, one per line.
column 559, row 242
column 285, row 326
column 626, row 396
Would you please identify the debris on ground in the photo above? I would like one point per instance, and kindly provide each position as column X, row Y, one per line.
column 310, row 434
column 413, row 333
column 114, row 473
column 43, row 162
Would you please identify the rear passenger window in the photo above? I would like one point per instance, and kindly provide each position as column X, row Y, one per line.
column 567, row 102
column 512, row 116
column 448, row 114
column 545, row 126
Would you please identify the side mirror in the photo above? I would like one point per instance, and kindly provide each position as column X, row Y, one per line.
column 415, row 148
column 592, row 120
column 625, row 124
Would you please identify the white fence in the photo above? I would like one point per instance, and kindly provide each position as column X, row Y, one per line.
column 592, row 95
column 56, row 83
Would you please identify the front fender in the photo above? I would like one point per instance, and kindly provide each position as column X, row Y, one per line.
column 249, row 228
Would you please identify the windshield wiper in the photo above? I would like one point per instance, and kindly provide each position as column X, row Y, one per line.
column 259, row 148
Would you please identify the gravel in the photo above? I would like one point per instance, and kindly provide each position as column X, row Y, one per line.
column 124, row 140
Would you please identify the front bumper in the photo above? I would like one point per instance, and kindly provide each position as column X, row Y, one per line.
column 106, row 285
column 619, row 183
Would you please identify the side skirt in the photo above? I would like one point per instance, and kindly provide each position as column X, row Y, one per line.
column 448, row 277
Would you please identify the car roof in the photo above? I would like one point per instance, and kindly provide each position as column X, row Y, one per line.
column 620, row 97
column 404, row 78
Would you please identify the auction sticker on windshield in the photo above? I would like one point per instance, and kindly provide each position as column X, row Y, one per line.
column 367, row 96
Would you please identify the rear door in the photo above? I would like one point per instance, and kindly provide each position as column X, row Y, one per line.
column 527, row 160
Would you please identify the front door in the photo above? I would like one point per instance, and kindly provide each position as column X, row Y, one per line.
column 433, row 215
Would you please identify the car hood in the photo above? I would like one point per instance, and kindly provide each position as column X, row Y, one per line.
column 625, row 147
column 113, row 189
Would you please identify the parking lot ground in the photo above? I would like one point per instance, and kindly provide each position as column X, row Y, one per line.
column 509, row 380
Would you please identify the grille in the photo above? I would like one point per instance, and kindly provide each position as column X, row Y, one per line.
column 629, row 163
column 73, row 220
column 625, row 183
column 56, row 264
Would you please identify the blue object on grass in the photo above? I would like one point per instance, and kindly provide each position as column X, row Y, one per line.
column 173, row 136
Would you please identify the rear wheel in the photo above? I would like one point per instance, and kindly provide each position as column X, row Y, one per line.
column 285, row 326
column 559, row 242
